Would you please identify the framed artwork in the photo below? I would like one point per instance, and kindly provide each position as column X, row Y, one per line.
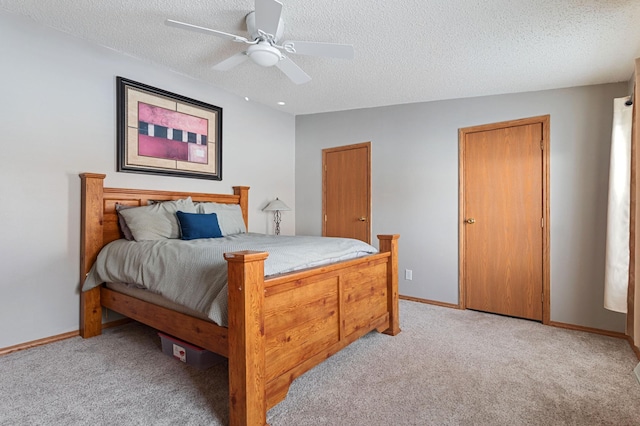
column 163, row 133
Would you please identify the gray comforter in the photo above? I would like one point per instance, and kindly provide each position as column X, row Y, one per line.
column 194, row 273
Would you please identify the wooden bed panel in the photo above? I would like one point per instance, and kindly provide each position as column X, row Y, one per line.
column 276, row 390
column 303, row 342
column 300, row 303
column 193, row 330
column 299, row 324
column 365, row 297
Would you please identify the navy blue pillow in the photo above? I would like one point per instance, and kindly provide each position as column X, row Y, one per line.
column 197, row 225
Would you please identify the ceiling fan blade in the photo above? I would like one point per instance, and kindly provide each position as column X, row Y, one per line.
column 231, row 62
column 196, row 28
column 293, row 71
column 268, row 15
column 332, row 50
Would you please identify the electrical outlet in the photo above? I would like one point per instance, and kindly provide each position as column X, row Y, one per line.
column 408, row 274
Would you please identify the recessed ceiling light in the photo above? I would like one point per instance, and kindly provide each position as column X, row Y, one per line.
column 246, row 98
column 280, row 103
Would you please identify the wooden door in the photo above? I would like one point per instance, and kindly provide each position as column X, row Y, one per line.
column 346, row 192
column 503, row 220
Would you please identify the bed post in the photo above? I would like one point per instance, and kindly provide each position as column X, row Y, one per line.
column 243, row 192
column 247, row 399
column 91, row 235
column 389, row 243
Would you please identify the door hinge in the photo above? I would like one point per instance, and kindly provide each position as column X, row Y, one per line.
column 542, row 297
column 325, row 217
column 542, row 222
column 542, row 145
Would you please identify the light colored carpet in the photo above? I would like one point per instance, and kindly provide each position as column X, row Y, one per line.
column 447, row 367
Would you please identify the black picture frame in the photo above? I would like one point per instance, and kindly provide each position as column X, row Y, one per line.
column 163, row 133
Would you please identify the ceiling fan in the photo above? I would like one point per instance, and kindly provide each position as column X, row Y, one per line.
column 265, row 26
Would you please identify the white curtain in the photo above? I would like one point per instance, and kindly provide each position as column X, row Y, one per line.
column 616, row 276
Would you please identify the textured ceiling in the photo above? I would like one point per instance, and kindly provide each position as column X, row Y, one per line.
column 405, row 51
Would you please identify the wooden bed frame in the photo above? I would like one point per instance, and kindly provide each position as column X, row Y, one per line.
column 279, row 327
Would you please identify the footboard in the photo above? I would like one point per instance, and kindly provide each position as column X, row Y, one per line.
column 285, row 325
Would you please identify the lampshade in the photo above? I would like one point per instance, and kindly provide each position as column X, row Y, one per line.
column 276, row 205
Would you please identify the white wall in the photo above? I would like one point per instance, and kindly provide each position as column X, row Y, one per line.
column 415, row 186
column 57, row 116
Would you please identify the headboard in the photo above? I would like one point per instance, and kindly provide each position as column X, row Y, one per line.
column 99, row 220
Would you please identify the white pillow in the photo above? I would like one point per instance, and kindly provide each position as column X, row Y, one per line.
column 157, row 221
column 229, row 217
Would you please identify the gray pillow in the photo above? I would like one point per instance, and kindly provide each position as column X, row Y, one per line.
column 122, row 222
column 229, row 217
column 157, row 221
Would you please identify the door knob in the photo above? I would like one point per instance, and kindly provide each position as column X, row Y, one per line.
column 362, row 219
column 470, row 221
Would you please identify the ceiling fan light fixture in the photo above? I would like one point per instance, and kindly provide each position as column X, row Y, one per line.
column 264, row 54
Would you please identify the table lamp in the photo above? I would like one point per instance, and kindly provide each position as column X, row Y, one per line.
column 276, row 206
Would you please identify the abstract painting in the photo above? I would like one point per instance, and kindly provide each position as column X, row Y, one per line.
column 160, row 132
